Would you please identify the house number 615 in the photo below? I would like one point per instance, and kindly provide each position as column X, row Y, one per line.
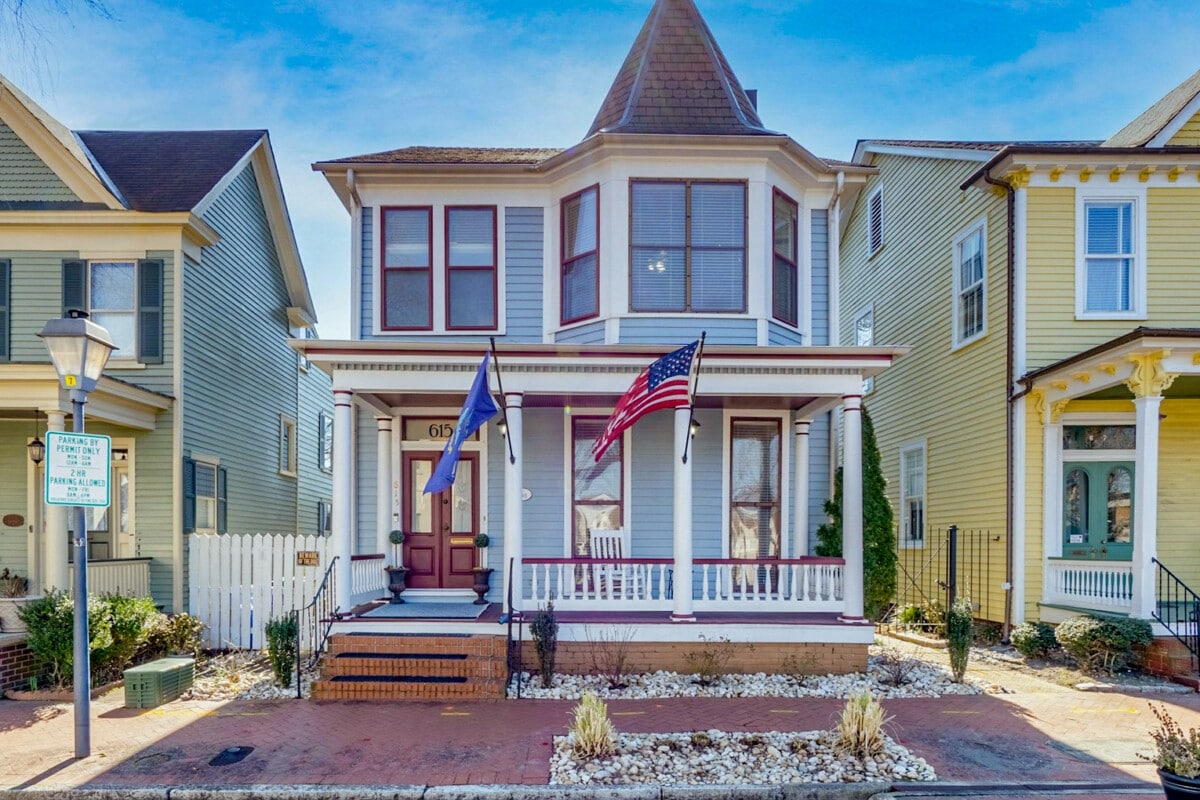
column 442, row 430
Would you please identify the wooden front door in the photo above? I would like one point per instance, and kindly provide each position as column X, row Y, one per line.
column 1098, row 510
column 439, row 529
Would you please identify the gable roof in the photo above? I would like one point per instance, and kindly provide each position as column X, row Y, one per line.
column 167, row 170
column 1156, row 119
column 676, row 80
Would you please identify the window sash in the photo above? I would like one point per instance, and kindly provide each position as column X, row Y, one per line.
column 406, row 273
column 325, row 442
column 755, row 474
column 784, row 278
column 912, row 494
column 287, row 445
column 1108, row 255
column 206, row 498
column 580, row 257
column 687, row 246
column 597, row 488
column 970, row 312
column 112, row 302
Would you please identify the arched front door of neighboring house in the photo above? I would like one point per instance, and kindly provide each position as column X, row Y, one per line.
column 1098, row 509
column 439, row 529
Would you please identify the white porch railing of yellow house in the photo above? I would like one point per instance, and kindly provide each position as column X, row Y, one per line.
column 808, row 584
column 1092, row 585
column 129, row 577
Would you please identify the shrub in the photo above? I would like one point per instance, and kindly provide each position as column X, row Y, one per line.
column 859, row 730
column 176, row 633
column 1033, row 639
column 959, row 623
column 1177, row 752
column 710, row 661
column 130, row 621
column 281, row 647
column 608, row 651
column 544, row 630
column 592, row 732
column 50, row 621
column 1105, row 644
column 896, row 669
column 910, row 615
column 988, row 632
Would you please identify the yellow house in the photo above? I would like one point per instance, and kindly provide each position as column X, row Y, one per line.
column 1053, row 396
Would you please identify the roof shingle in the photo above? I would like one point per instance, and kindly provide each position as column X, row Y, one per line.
column 455, row 155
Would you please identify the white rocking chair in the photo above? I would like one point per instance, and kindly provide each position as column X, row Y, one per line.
column 609, row 579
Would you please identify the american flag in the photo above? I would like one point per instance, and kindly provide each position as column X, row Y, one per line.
column 664, row 384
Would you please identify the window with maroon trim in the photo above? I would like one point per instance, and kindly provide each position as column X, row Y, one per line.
column 755, row 465
column 470, row 267
column 581, row 255
column 687, row 246
column 597, row 487
column 406, row 276
column 785, row 291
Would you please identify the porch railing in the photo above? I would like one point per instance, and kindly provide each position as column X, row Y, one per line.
column 368, row 581
column 648, row 584
column 1096, row 585
column 1177, row 608
column 129, row 577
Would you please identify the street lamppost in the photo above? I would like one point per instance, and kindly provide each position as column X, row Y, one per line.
column 79, row 349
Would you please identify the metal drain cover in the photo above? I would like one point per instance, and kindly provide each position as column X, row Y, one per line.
column 230, row 755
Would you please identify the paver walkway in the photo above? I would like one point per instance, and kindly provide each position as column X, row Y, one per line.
column 1014, row 740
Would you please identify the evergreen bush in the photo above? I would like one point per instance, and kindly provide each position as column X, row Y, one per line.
column 50, row 635
column 1033, row 639
column 959, row 624
column 281, row 647
column 544, row 630
column 879, row 538
column 130, row 621
column 1105, row 644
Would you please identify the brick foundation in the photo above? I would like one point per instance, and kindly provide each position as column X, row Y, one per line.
column 1168, row 657
column 16, row 664
column 808, row 658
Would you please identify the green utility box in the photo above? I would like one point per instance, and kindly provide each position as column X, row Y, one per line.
column 156, row 682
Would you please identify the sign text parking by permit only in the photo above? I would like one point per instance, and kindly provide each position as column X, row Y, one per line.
column 77, row 469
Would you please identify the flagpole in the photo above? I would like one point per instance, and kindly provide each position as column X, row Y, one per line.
column 692, row 395
column 512, row 459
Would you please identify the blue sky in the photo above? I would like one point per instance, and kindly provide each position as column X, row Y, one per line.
column 333, row 78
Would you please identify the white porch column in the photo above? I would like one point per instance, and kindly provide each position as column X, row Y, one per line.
column 800, row 490
column 56, row 573
column 383, row 485
column 1052, row 511
column 343, row 528
column 514, row 481
column 852, row 510
column 681, row 609
column 1145, row 505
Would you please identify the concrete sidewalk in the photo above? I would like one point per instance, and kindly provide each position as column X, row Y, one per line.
column 1019, row 745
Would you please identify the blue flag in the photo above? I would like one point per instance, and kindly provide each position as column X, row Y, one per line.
column 478, row 409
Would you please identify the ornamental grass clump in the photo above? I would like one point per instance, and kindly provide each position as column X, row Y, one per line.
column 1176, row 752
column 592, row 733
column 859, row 730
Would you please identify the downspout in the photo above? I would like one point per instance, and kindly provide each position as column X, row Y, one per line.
column 1010, row 397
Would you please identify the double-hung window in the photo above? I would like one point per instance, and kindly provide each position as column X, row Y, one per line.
column 123, row 296
column 687, row 246
column 912, row 495
column 1110, row 280
column 597, row 487
column 970, row 295
column 784, row 276
column 754, row 481
column 287, row 445
column 470, row 268
column 581, row 255
column 204, row 506
column 407, row 275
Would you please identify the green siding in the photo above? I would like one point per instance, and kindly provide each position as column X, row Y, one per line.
column 315, row 397
column 240, row 374
column 14, row 467
column 24, row 176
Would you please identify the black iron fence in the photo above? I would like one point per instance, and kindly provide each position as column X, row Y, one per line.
column 1177, row 608
column 944, row 563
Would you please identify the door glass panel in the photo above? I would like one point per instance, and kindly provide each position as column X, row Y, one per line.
column 1120, row 507
column 1075, row 506
column 462, row 516
column 1099, row 437
column 421, row 520
column 123, row 501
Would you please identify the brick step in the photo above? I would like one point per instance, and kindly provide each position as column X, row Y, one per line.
column 452, row 665
column 406, row 687
column 468, row 644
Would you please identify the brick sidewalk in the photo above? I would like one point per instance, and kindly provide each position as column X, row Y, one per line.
column 1006, row 740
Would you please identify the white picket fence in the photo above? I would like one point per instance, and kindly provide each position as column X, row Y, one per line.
column 239, row 582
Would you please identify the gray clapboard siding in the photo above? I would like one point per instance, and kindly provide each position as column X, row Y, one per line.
column 14, row 466
column 522, row 274
column 366, row 471
column 240, row 374
column 820, row 277
column 781, row 335
column 681, row 330
column 24, row 176
column 591, row 333
column 542, row 514
column 313, row 485
column 366, row 248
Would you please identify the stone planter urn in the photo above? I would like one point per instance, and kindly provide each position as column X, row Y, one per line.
column 396, row 586
column 9, row 606
column 483, row 576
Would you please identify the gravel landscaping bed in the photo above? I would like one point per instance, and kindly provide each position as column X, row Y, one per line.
column 242, row 675
column 718, row 758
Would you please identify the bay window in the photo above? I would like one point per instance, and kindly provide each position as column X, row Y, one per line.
column 784, row 277
column 687, row 246
column 581, row 255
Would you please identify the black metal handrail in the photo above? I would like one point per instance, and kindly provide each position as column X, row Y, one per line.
column 1177, row 608
column 321, row 609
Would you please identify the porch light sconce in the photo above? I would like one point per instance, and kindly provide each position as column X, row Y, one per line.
column 694, row 427
column 502, row 426
column 37, row 448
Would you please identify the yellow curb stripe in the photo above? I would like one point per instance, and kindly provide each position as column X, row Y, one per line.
column 627, row 713
column 456, row 713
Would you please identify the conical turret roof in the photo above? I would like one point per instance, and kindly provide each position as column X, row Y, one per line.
column 676, row 80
